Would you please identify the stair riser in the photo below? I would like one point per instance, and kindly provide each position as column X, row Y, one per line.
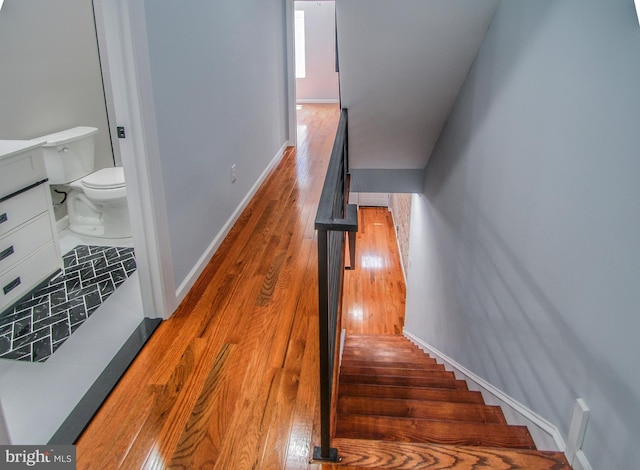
column 404, row 381
column 434, row 432
column 350, row 362
column 364, row 348
column 420, row 409
column 397, row 372
column 388, row 359
column 401, row 393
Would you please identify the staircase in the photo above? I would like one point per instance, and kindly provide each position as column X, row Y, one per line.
column 397, row 408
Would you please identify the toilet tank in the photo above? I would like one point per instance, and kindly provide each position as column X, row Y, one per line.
column 69, row 154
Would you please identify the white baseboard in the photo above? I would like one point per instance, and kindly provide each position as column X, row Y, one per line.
column 317, row 101
column 395, row 224
column 545, row 435
column 62, row 224
column 195, row 272
column 580, row 462
column 577, row 429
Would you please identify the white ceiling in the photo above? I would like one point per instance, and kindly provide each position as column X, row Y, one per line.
column 402, row 63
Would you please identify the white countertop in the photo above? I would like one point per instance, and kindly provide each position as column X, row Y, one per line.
column 11, row 147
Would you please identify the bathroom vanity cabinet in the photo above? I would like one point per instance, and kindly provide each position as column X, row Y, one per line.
column 29, row 249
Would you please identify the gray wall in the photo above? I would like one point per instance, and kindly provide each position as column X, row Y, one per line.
column 402, row 63
column 526, row 243
column 321, row 81
column 50, row 77
column 218, row 71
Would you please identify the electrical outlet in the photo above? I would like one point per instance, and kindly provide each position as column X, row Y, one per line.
column 233, row 173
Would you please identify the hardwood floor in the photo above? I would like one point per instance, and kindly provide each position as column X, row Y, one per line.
column 230, row 381
column 374, row 293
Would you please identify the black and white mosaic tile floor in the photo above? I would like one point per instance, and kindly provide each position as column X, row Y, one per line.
column 35, row 327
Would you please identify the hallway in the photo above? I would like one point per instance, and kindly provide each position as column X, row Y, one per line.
column 231, row 379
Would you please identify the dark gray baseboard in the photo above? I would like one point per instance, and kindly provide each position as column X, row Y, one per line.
column 78, row 420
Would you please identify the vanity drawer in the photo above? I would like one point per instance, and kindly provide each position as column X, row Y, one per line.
column 22, row 207
column 21, row 170
column 34, row 269
column 23, row 241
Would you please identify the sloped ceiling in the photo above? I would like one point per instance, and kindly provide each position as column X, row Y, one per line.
column 402, row 64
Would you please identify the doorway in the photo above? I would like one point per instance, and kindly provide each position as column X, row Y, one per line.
column 38, row 393
column 315, row 52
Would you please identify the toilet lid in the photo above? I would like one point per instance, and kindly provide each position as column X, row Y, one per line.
column 107, row 178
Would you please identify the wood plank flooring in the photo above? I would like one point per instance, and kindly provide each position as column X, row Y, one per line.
column 230, row 381
column 375, row 292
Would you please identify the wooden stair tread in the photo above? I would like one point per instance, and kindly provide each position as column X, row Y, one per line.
column 362, row 343
column 377, row 335
column 371, row 343
column 414, row 393
column 384, row 354
column 402, row 381
column 433, row 431
column 386, row 346
column 356, row 453
column 373, row 338
column 382, row 358
column 397, row 371
column 351, row 362
column 420, row 409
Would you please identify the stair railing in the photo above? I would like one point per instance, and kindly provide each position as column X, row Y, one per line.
column 334, row 218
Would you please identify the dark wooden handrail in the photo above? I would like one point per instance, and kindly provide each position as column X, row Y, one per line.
column 334, row 218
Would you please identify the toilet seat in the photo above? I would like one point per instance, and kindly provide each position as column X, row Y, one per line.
column 104, row 186
column 107, row 178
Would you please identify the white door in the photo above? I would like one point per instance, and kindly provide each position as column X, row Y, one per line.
column 373, row 199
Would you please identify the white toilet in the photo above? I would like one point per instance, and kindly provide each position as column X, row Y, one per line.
column 97, row 200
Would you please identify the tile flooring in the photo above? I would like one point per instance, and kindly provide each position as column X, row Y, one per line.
column 34, row 328
column 37, row 397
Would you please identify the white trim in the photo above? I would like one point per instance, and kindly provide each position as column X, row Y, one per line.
column 155, row 224
column 317, row 101
column 376, row 199
column 291, row 73
column 395, row 224
column 195, row 272
column 580, row 462
column 62, row 223
column 577, row 429
column 343, row 338
column 544, row 433
column 129, row 76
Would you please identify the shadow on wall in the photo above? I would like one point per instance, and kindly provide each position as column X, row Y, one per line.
column 488, row 205
column 516, row 337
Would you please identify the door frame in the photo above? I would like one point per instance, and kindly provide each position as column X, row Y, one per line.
column 291, row 72
column 122, row 41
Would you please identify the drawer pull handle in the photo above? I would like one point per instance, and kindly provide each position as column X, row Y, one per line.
column 12, row 285
column 6, row 253
column 3, row 218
